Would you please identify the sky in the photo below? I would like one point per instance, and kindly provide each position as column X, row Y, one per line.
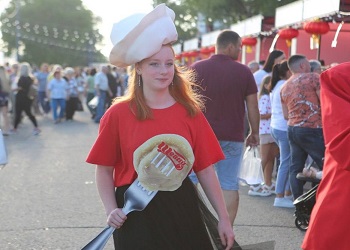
column 110, row 11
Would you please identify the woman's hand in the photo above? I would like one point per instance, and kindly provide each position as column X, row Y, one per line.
column 210, row 184
column 116, row 218
column 226, row 234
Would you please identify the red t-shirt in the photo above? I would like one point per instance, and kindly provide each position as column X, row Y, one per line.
column 120, row 134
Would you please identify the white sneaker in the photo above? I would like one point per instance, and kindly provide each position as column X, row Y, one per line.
column 289, row 197
column 283, row 202
column 36, row 131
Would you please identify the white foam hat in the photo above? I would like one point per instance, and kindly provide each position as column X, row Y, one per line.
column 142, row 35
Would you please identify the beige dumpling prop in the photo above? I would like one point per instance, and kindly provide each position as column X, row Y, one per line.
column 163, row 162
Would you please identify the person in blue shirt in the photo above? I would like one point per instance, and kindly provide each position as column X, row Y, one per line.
column 42, row 76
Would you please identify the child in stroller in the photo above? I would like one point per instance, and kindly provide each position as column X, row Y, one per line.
column 305, row 203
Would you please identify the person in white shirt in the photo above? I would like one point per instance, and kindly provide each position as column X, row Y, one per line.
column 274, row 57
column 102, row 91
column 57, row 92
column 268, row 147
column 279, row 127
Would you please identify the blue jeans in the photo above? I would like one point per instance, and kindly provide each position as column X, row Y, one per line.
column 45, row 105
column 304, row 142
column 55, row 103
column 282, row 181
column 101, row 106
column 227, row 169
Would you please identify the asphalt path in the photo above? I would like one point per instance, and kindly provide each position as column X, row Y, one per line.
column 48, row 197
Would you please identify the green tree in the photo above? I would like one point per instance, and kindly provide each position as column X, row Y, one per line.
column 186, row 16
column 55, row 31
column 226, row 12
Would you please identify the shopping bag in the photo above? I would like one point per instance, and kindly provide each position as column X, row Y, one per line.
column 93, row 103
column 251, row 171
column 3, row 152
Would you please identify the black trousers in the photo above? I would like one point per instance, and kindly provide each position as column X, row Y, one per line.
column 71, row 106
column 23, row 103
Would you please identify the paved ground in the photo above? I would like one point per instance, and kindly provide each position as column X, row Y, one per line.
column 48, row 198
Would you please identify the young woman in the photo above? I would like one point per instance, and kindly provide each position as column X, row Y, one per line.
column 268, row 147
column 160, row 102
column 279, row 127
column 23, row 100
column 276, row 56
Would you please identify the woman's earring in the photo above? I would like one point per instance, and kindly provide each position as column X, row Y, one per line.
column 139, row 80
column 172, row 83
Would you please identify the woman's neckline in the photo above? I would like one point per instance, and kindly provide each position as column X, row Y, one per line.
column 165, row 107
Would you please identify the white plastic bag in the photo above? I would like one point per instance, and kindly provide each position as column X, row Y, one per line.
column 93, row 103
column 251, row 171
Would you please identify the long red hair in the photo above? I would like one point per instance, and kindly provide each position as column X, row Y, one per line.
column 183, row 90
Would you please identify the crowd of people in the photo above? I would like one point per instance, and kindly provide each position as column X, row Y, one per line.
column 283, row 112
column 55, row 89
column 290, row 114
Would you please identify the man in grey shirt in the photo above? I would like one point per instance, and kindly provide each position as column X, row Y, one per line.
column 102, row 91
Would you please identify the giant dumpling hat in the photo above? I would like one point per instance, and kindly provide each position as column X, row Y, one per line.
column 140, row 36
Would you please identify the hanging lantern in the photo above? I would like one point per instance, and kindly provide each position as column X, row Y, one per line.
column 316, row 29
column 193, row 54
column 205, row 51
column 249, row 42
column 185, row 56
column 178, row 56
column 288, row 34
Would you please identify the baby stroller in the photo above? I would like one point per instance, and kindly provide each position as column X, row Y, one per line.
column 303, row 207
column 305, row 203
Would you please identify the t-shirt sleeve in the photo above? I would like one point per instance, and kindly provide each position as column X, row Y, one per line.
column 250, row 82
column 106, row 149
column 206, row 147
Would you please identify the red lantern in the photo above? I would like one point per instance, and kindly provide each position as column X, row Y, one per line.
column 178, row 56
column 193, row 53
column 316, row 29
column 288, row 34
column 249, row 42
column 205, row 51
column 212, row 49
column 185, row 54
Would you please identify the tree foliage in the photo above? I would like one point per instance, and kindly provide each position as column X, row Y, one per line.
column 55, row 31
column 225, row 12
